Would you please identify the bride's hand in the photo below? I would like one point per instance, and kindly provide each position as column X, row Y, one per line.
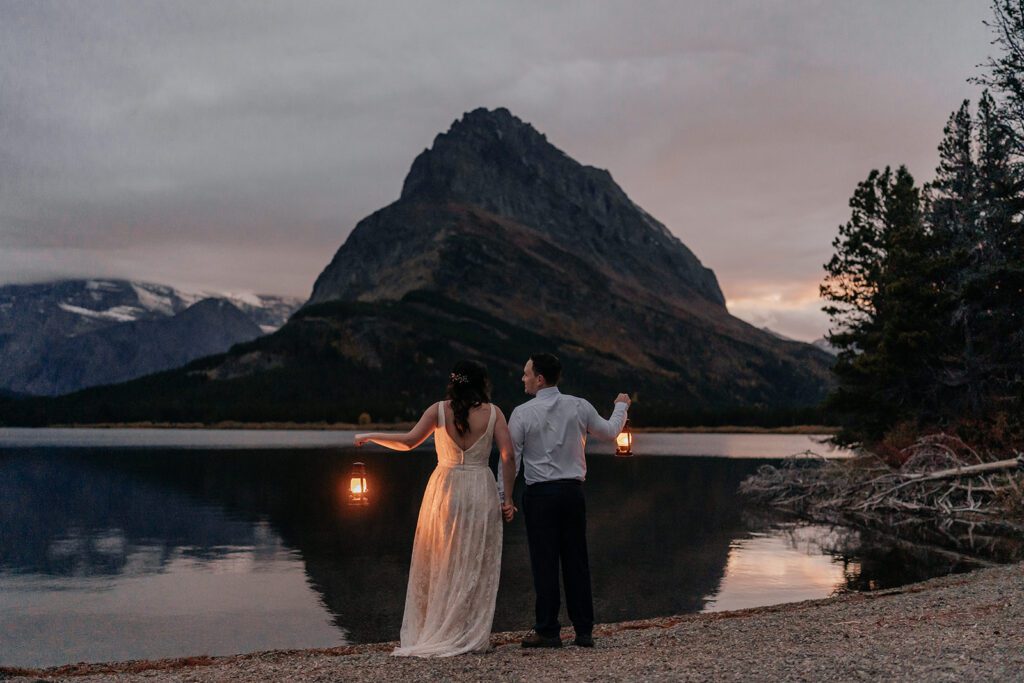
column 508, row 511
column 360, row 439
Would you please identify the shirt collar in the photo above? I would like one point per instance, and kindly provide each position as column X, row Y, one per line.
column 548, row 391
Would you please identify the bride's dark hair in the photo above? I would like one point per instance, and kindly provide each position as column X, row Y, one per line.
column 468, row 387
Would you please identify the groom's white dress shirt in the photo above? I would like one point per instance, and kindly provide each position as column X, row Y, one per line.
column 551, row 430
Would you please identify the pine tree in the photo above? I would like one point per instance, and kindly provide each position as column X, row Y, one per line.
column 926, row 290
column 911, row 307
column 953, row 217
column 883, row 304
column 1001, row 147
column 1000, row 264
column 851, row 287
column 1005, row 74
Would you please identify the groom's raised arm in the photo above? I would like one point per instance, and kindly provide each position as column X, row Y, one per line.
column 517, row 430
column 610, row 428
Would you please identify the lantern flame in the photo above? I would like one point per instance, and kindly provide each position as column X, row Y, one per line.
column 357, row 487
column 624, row 441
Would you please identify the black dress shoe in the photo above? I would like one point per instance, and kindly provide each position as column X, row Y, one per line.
column 584, row 641
column 537, row 640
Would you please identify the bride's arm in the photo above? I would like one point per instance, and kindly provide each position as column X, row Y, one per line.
column 509, row 468
column 508, row 460
column 403, row 442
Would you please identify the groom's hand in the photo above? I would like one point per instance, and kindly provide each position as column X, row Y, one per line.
column 508, row 511
column 623, row 398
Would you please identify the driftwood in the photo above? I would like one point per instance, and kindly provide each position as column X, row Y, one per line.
column 1010, row 464
column 945, row 491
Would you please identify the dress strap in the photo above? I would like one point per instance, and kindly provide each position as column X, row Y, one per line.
column 490, row 422
column 440, row 414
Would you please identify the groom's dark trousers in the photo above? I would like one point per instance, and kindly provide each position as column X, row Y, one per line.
column 556, row 530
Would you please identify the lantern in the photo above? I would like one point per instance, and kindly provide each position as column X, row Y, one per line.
column 624, row 442
column 357, row 494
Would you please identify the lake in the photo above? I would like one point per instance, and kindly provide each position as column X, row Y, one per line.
column 125, row 544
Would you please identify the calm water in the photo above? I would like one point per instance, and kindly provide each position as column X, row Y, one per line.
column 721, row 445
column 155, row 551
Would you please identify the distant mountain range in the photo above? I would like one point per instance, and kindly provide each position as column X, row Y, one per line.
column 821, row 343
column 500, row 245
column 57, row 337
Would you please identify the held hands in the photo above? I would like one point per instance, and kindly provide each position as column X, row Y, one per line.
column 623, row 398
column 361, row 439
column 508, row 511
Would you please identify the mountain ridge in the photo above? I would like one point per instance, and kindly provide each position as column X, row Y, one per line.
column 135, row 348
column 61, row 335
column 499, row 246
column 495, row 216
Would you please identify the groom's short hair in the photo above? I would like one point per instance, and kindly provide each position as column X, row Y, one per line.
column 548, row 365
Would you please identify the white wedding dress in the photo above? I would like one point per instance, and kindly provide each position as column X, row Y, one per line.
column 456, row 555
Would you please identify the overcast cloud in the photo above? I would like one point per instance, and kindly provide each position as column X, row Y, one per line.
column 234, row 145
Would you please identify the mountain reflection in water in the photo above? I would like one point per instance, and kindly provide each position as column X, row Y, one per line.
column 114, row 554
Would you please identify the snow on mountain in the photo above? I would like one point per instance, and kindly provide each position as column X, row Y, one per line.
column 107, row 301
column 153, row 299
column 51, row 333
column 118, row 313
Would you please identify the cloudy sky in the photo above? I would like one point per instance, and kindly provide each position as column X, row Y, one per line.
column 234, row 145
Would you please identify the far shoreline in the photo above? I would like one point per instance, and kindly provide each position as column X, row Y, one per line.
column 400, row 426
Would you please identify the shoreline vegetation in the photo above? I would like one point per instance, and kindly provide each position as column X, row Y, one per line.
column 923, row 295
column 811, row 430
column 938, row 490
column 957, row 627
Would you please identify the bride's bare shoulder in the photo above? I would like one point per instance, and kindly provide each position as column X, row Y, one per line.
column 431, row 410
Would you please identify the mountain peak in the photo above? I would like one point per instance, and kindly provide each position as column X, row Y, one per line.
column 499, row 124
column 496, row 119
column 484, row 140
column 493, row 181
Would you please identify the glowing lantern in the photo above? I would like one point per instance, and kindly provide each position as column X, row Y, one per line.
column 357, row 491
column 624, row 442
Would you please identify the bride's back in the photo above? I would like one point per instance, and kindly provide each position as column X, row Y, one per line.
column 468, row 404
column 479, row 421
column 472, row 449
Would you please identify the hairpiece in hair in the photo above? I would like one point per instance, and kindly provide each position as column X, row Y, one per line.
column 458, row 378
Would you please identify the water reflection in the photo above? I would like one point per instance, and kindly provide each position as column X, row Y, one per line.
column 112, row 554
column 78, row 516
column 233, row 603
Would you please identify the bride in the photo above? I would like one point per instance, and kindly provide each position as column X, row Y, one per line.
column 456, row 554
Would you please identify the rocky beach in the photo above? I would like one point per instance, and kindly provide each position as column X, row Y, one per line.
column 961, row 627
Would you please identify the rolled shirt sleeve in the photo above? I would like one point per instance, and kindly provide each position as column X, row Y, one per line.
column 602, row 428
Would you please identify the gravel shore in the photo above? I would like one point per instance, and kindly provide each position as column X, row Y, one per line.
column 964, row 627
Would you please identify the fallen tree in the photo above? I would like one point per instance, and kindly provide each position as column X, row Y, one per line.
column 945, row 493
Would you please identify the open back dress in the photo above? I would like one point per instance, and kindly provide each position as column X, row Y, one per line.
column 456, row 554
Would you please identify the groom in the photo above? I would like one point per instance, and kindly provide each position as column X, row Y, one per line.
column 549, row 434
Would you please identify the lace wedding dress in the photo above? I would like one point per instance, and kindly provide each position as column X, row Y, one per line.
column 456, row 555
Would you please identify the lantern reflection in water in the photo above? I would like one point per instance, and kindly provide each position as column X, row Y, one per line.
column 624, row 442
column 357, row 489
